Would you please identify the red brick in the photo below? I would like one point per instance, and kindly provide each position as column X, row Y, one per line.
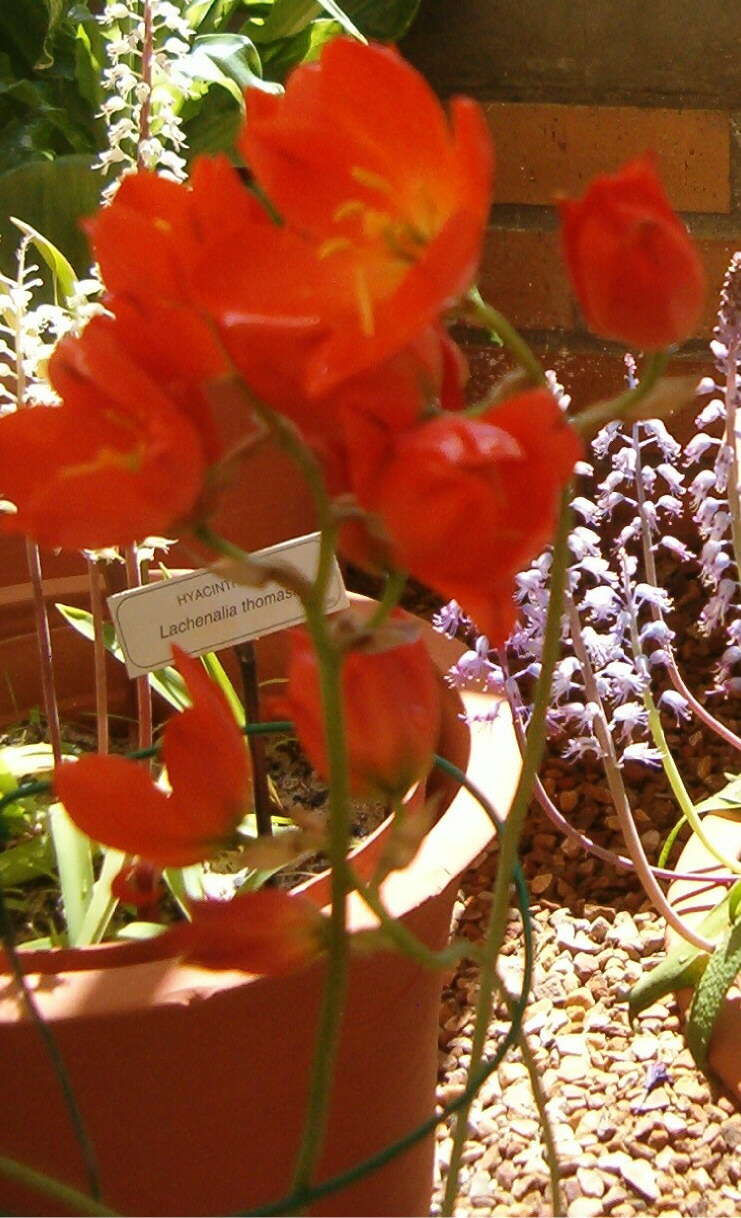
column 544, row 150
column 523, row 275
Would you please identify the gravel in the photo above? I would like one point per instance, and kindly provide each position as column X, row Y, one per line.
column 638, row 1129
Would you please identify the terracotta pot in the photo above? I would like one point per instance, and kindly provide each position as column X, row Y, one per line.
column 694, row 899
column 193, row 1084
column 267, row 502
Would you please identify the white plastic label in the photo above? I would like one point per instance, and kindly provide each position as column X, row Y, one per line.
column 206, row 611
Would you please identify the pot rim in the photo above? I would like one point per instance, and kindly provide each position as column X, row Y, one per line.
column 119, row 977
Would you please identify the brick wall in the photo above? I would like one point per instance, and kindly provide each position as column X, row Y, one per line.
column 572, row 88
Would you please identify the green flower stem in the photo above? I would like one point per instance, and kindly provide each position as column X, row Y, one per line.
column 621, row 803
column 679, row 790
column 477, row 312
column 512, row 830
column 589, row 421
column 395, row 584
column 549, row 1142
column 330, row 1017
column 70, row 1198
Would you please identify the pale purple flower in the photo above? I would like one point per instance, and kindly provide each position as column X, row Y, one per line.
column 673, row 701
column 642, row 751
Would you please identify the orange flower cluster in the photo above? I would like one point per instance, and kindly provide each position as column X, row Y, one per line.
column 325, row 305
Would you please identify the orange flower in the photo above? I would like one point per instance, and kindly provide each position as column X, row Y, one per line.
column 260, row 932
column 389, row 199
column 468, row 502
column 632, row 265
column 117, row 461
column 391, row 701
column 116, row 803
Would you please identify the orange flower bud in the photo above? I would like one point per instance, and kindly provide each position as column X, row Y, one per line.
column 391, row 701
column 632, row 264
column 468, row 502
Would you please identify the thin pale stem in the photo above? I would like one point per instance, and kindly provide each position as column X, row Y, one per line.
column 546, row 1129
column 393, row 588
column 511, row 833
column 651, row 887
column 477, row 312
column 589, row 421
column 649, row 564
column 587, row 843
column 655, row 727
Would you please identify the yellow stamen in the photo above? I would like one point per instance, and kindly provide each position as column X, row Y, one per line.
column 334, row 245
column 372, row 180
column 163, row 225
column 351, row 207
column 365, row 303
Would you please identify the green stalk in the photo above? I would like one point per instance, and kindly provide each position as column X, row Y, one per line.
column 74, row 864
column 549, row 1143
column 70, row 1198
column 478, row 313
column 679, row 790
column 589, row 421
column 393, row 588
column 333, row 998
column 510, row 838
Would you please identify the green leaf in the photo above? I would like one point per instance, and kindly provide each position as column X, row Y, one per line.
column 728, row 798
column 382, row 20
column 52, row 197
column 24, row 26
column 287, row 18
column 684, row 964
column 65, row 280
column 165, row 681
column 722, row 969
column 229, row 60
column 29, row 860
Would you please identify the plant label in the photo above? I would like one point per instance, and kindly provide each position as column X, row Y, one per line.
column 216, row 608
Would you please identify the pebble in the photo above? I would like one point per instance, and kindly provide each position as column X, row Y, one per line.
column 672, row 1151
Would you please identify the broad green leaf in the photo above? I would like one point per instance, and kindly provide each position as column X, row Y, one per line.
column 684, row 964
column 382, row 20
column 63, row 273
column 333, row 10
column 74, row 866
column 26, row 861
column 728, row 798
column 281, row 56
column 52, row 197
column 210, row 16
column 24, row 26
column 286, row 18
column 722, row 969
column 229, row 60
